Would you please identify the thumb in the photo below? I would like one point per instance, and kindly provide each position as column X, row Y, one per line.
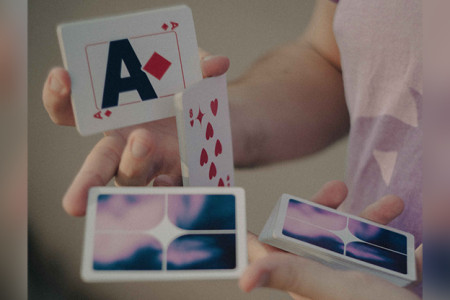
column 313, row 280
column 213, row 65
column 290, row 273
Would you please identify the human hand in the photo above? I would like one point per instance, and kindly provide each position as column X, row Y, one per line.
column 307, row 279
column 134, row 155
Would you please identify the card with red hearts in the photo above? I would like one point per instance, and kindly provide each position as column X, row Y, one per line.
column 204, row 133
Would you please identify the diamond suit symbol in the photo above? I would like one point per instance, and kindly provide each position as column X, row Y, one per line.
column 157, row 66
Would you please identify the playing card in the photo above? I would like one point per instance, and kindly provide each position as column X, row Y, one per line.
column 340, row 240
column 126, row 69
column 135, row 234
column 204, row 132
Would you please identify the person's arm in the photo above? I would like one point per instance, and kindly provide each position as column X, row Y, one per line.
column 291, row 102
column 288, row 104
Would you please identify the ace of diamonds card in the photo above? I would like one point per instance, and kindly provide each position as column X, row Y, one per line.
column 126, row 69
column 204, row 134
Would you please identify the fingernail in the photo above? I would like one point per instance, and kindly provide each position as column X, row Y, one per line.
column 209, row 57
column 139, row 150
column 262, row 281
column 56, row 85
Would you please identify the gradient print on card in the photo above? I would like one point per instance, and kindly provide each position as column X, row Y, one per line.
column 346, row 236
column 159, row 232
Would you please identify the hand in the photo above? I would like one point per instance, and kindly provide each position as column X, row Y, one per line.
column 307, row 279
column 134, row 155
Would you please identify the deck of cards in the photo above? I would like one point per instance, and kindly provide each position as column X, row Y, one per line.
column 340, row 240
column 135, row 234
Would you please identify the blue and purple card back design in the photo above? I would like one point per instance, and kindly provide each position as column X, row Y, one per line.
column 341, row 240
column 164, row 234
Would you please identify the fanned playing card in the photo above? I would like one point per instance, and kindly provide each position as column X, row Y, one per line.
column 135, row 234
column 126, row 69
column 340, row 240
column 204, row 132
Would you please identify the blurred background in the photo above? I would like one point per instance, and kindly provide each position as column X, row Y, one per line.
column 242, row 30
column 13, row 146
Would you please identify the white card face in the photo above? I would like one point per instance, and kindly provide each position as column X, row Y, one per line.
column 203, row 122
column 136, row 234
column 341, row 240
column 126, row 69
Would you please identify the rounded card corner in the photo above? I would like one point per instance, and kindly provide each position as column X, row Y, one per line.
column 185, row 7
column 84, row 274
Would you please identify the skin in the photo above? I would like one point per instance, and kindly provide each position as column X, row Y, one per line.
column 258, row 129
column 273, row 268
column 113, row 156
column 267, row 109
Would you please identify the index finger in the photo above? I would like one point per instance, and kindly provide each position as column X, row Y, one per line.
column 384, row 210
column 98, row 169
column 213, row 65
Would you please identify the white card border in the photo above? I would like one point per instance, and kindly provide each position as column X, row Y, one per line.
column 88, row 274
column 335, row 259
column 85, row 124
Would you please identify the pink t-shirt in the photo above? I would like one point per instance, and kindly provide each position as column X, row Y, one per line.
column 381, row 55
column 380, row 44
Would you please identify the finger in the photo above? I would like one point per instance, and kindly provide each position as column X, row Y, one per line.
column 168, row 180
column 313, row 280
column 384, row 210
column 56, row 97
column 138, row 164
column 332, row 194
column 256, row 249
column 213, row 65
column 288, row 273
column 97, row 170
